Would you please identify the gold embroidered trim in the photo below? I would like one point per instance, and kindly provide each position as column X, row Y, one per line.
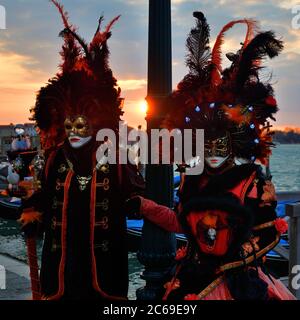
column 104, row 204
column 248, row 260
column 103, row 246
column 104, row 184
column 264, row 226
column 103, row 223
column 210, row 288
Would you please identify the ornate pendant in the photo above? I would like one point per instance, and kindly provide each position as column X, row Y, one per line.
column 212, row 234
column 83, row 182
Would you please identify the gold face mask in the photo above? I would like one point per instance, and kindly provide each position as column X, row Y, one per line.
column 77, row 126
column 218, row 148
column 78, row 131
column 217, row 151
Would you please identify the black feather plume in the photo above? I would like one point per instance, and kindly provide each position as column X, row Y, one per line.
column 79, row 39
column 263, row 45
column 198, row 45
column 70, row 52
column 99, row 25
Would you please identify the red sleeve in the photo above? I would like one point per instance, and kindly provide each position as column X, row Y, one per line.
column 162, row 216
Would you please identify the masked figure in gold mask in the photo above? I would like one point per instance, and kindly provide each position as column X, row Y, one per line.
column 227, row 212
column 80, row 204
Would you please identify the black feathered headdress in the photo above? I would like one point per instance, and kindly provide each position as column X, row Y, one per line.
column 84, row 86
column 233, row 100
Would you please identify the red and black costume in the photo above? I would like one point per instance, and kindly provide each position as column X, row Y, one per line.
column 228, row 212
column 240, row 205
column 82, row 201
column 85, row 244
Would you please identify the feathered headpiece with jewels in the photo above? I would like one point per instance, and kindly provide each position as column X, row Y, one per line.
column 85, row 86
column 233, row 100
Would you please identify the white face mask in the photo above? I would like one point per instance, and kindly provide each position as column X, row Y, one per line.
column 77, row 142
column 215, row 162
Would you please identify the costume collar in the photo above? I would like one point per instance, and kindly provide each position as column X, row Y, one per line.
column 229, row 179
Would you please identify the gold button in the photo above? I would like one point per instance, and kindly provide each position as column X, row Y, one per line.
column 104, row 168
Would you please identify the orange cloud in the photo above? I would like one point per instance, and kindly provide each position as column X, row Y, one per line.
column 287, row 128
column 14, row 74
column 132, row 84
column 18, row 85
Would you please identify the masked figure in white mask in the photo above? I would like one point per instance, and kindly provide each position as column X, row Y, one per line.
column 80, row 204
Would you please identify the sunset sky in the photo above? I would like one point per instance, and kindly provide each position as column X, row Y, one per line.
column 29, row 48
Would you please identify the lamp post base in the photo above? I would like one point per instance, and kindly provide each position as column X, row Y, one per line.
column 157, row 255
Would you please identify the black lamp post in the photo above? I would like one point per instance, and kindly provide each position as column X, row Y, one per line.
column 158, row 247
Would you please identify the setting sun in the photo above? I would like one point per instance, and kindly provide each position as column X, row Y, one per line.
column 143, row 106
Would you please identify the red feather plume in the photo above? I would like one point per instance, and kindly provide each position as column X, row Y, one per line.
column 63, row 13
column 217, row 53
column 101, row 37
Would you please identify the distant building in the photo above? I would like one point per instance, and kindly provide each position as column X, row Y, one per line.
column 7, row 133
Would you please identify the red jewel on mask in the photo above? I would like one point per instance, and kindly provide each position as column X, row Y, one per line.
column 271, row 101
